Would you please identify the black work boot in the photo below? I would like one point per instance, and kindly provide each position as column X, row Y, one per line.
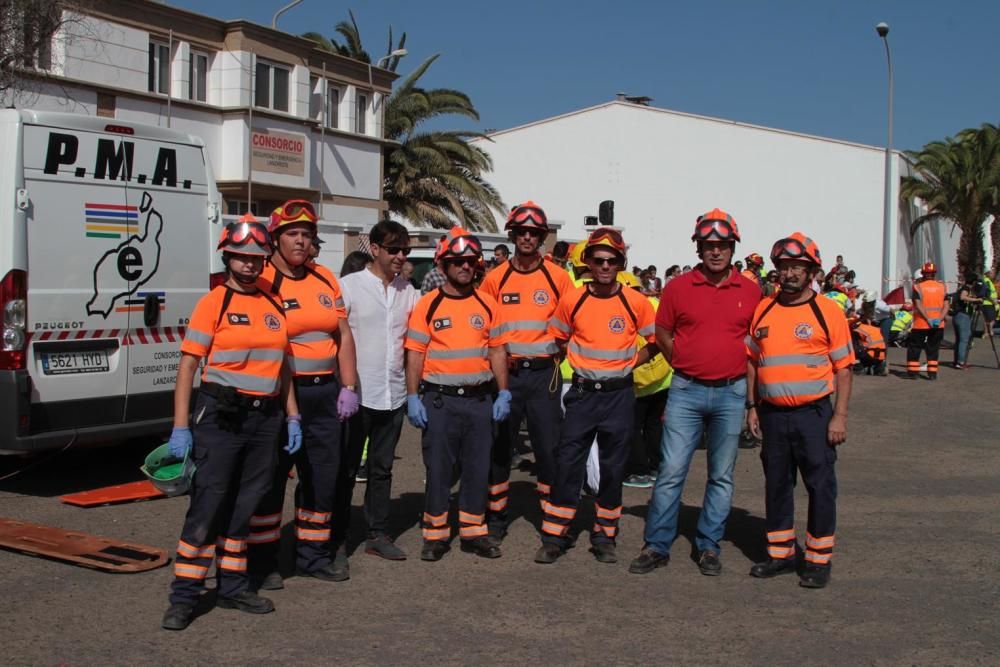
column 815, row 576
column 383, row 546
column 772, row 567
column 271, row 581
column 178, row 616
column 328, row 572
column 482, row 547
column 647, row 561
column 548, row 553
column 433, row 550
column 709, row 563
column 604, row 552
column 246, row 601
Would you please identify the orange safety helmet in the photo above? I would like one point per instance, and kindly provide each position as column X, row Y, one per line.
column 796, row 246
column 458, row 243
column 605, row 237
column 292, row 211
column 928, row 269
column 246, row 237
column 754, row 259
column 528, row 214
column 716, row 223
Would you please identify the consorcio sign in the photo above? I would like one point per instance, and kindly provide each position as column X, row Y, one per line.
column 277, row 152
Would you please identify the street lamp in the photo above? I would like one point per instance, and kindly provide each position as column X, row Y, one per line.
column 888, row 229
column 397, row 53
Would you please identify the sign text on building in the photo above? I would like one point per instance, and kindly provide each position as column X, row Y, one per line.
column 277, row 152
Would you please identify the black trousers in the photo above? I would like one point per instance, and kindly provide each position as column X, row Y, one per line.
column 610, row 417
column 535, row 394
column 235, row 471
column 381, row 428
column 459, row 434
column 645, row 456
column 316, row 464
column 795, row 440
column 928, row 340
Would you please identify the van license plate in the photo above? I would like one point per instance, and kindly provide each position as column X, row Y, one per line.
column 64, row 363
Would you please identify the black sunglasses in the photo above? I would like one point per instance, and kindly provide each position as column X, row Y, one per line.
column 461, row 261
column 395, row 250
column 601, row 261
column 530, row 231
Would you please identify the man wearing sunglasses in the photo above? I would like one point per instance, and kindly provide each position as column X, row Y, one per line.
column 800, row 353
column 597, row 325
column 455, row 362
column 378, row 302
column 701, row 325
column 527, row 289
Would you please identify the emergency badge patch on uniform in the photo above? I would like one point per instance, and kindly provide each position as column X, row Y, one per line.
column 325, row 300
column 476, row 321
column 239, row 319
column 803, row 331
column 510, row 297
column 761, row 333
column 616, row 324
column 441, row 323
column 540, row 297
column 272, row 322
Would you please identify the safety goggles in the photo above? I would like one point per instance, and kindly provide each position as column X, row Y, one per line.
column 722, row 230
column 790, row 249
column 528, row 215
column 295, row 210
column 393, row 250
column 612, row 235
column 244, row 232
column 463, row 245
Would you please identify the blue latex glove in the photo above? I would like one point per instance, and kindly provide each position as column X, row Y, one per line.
column 180, row 441
column 294, row 437
column 501, row 406
column 935, row 323
column 415, row 411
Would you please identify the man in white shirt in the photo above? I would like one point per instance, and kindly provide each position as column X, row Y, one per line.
column 378, row 302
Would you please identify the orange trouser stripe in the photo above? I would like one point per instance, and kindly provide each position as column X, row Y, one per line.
column 436, row 521
column 437, row 533
column 820, row 559
column 189, row 571
column 781, row 535
column 465, row 517
column 607, row 530
column 562, row 512
column 235, row 546
column 502, row 487
column 265, row 537
column 615, row 513
column 234, row 564
column 554, row 528
column 819, row 542
column 190, row 551
column 498, row 505
column 543, row 488
column 312, row 535
column 314, row 517
column 266, row 520
column 473, row 531
column 780, row 552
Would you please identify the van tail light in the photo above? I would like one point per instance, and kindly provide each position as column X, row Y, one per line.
column 216, row 279
column 14, row 304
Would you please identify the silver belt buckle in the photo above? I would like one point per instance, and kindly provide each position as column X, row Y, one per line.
column 597, row 385
column 526, row 364
column 461, row 391
column 256, row 403
column 315, row 379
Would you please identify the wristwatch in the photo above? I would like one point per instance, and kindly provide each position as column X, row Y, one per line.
column 350, row 387
column 750, row 404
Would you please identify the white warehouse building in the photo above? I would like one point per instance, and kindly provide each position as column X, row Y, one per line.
column 664, row 168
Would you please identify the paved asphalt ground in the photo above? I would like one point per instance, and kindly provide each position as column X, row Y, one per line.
column 915, row 578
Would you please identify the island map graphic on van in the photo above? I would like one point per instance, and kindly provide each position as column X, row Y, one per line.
column 135, row 259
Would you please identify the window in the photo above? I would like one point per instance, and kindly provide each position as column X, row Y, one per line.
column 239, row 207
column 159, row 68
column 361, row 112
column 332, row 105
column 271, row 87
column 36, row 48
column 198, row 77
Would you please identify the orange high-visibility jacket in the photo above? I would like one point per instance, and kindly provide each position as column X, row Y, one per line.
column 931, row 294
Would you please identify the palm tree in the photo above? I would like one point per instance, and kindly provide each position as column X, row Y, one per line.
column 950, row 179
column 432, row 178
column 986, row 141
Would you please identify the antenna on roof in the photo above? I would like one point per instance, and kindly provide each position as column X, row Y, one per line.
column 639, row 99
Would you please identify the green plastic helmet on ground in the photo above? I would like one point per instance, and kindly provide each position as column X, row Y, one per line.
column 169, row 474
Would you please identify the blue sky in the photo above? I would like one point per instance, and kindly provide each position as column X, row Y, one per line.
column 805, row 66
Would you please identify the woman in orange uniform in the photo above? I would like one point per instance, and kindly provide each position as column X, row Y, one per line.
column 241, row 335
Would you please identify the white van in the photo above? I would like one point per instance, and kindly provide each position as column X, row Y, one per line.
column 107, row 236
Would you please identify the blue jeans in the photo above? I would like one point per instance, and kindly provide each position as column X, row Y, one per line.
column 691, row 408
column 963, row 334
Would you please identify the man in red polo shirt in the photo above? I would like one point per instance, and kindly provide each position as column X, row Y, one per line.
column 703, row 319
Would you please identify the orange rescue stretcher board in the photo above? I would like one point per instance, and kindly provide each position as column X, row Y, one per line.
column 108, row 495
column 83, row 549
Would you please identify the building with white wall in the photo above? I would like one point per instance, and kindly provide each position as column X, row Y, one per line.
column 664, row 168
column 281, row 118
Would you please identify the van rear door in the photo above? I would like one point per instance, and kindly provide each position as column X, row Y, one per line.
column 77, row 224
